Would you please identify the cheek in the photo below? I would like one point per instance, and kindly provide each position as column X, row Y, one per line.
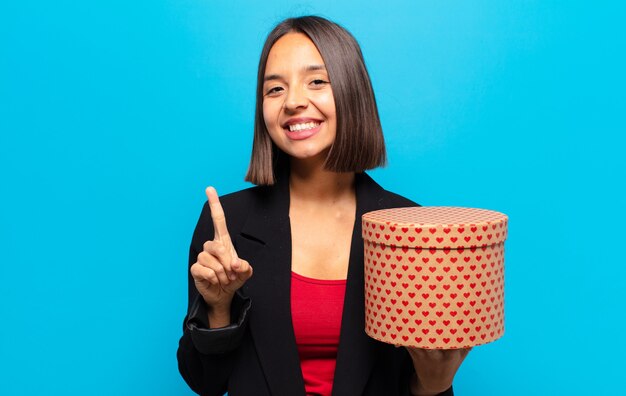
column 326, row 104
column 270, row 118
column 270, row 115
column 265, row 114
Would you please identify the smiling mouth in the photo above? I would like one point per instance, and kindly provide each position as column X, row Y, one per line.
column 303, row 126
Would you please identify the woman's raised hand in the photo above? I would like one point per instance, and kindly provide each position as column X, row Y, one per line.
column 219, row 272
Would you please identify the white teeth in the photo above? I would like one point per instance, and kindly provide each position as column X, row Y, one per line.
column 300, row 127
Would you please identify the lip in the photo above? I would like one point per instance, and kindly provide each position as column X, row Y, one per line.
column 301, row 135
column 300, row 120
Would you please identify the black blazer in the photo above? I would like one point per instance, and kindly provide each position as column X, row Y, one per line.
column 257, row 354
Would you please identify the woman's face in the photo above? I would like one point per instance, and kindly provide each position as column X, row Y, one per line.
column 298, row 103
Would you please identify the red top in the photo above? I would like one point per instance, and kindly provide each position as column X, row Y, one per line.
column 316, row 307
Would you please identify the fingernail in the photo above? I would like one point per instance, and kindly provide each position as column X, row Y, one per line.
column 232, row 276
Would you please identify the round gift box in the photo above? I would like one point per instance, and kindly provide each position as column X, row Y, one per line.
column 434, row 276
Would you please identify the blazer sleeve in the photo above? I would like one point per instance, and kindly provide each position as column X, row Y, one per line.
column 206, row 356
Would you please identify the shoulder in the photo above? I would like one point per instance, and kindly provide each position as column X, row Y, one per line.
column 238, row 200
column 383, row 199
column 393, row 200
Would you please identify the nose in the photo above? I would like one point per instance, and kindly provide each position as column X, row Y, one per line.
column 296, row 98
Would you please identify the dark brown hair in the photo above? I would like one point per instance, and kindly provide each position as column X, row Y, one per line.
column 359, row 142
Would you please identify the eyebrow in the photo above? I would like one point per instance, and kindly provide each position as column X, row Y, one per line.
column 307, row 69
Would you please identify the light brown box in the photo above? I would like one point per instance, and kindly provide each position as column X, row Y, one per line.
column 434, row 276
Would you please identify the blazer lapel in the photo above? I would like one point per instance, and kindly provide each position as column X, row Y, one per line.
column 357, row 351
column 266, row 236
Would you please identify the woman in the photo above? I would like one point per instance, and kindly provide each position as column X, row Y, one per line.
column 297, row 325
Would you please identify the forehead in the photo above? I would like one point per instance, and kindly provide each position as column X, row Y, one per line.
column 292, row 51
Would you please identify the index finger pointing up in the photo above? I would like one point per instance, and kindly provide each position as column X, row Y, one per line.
column 217, row 214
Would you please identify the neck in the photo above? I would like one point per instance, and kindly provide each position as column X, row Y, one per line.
column 309, row 181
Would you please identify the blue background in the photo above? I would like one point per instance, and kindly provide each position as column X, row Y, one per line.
column 115, row 115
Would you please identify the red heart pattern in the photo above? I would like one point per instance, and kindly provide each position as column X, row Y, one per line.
column 434, row 276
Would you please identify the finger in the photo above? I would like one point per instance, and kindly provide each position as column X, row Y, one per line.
column 207, row 260
column 243, row 269
column 217, row 214
column 428, row 354
column 201, row 273
column 223, row 254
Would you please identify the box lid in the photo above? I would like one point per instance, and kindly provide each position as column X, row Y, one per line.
column 436, row 227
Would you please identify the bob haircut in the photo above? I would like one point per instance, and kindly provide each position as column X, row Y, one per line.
column 359, row 142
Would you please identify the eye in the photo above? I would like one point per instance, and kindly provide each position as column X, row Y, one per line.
column 319, row 82
column 273, row 91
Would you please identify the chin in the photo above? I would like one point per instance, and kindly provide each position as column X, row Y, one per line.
column 309, row 155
